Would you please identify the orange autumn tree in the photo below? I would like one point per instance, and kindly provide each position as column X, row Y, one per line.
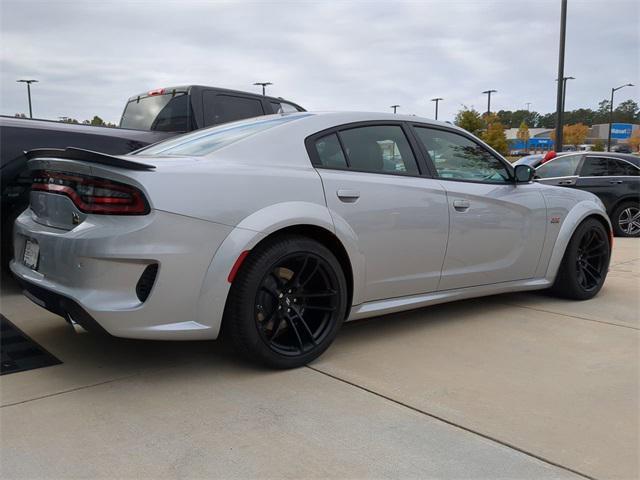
column 573, row 134
column 634, row 141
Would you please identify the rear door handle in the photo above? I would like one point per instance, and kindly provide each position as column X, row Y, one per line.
column 615, row 181
column 565, row 182
column 461, row 205
column 348, row 195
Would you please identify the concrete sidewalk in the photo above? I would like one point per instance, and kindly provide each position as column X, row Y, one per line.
column 512, row 386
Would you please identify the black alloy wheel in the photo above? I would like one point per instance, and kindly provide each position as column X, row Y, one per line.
column 585, row 263
column 287, row 302
column 592, row 259
column 296, row 303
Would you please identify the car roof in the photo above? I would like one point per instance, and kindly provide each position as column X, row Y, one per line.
column 187, row 88
column 281, row 143
column 635, row 160
column 623, row 156
column 336, row 118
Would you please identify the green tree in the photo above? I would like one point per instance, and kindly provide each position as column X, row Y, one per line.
column 68, row 120
column 494, row 135
column 20, row 115
column 627, row 112
column 598, row 146
column 471, row 120
column 97, row 121
column 547, row 121
column 602, row 114
column 523, row 134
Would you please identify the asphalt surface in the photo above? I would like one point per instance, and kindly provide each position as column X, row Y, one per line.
column 513, row 386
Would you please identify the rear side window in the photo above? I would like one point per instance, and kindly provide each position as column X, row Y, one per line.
column 330, row 153
column 620, row 168
column 595, row 167
column 611, row 167
column 380, row 149
column 227, row 108
column 564, row 166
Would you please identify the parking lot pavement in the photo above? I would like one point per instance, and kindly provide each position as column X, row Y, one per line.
column 512, row 386
column 563, row 386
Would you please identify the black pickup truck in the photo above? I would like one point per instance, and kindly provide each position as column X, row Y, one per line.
column 147, row 118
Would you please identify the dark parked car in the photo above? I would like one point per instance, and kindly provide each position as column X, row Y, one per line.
column 534, row 160
column 613, row 177
column 147, row 118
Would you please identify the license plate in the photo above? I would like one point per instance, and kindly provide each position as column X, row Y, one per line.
column 31, row 254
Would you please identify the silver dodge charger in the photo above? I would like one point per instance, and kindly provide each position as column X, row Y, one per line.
column 276, row 230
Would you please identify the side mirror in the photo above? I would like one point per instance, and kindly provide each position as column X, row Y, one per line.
column 523, row 173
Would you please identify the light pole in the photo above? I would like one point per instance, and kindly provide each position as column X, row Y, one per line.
column 28, row 82
column 437, row 100
column 489, row 92
column 395, row 107
column 528, row 104
column 263, row 85
column 559, row 95
column 613, row 90
column 564, row 90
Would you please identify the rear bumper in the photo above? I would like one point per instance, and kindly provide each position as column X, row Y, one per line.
column 91, row 272
column 61, row 305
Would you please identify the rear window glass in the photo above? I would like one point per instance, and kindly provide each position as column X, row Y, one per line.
column 164, row 113
column 203, row 142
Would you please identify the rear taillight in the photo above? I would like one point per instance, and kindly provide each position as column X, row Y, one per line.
column 91, row 194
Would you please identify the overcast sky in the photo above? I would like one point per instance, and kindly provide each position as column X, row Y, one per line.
column 90, row 56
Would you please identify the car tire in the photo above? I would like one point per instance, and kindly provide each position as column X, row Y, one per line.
column 622, row 220
column 287, row 302
column 584, row 266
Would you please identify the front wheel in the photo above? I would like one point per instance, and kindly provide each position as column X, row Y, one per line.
column 626, row 220
column 287, row 302
column 585, row 263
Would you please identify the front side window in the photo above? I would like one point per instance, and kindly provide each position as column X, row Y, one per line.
column 380, row 149
column 227, row 108
column 456, row 157
column 564, row 166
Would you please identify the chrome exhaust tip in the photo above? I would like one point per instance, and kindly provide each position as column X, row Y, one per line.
column 77, row 328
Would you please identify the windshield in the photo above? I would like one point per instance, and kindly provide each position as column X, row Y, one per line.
column 203, row 142
column 164, row 113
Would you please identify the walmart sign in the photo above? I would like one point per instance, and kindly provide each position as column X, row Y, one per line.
column 534, row 143
column 621, row 131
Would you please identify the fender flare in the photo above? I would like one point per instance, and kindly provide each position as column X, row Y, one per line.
column 576, row 216
column 251, row 231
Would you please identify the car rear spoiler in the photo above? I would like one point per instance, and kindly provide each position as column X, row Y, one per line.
column 71, row 153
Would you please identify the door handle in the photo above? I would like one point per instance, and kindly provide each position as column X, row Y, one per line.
column 618, row 182
column 348, row 196
column 461, row 205
column 565, row 182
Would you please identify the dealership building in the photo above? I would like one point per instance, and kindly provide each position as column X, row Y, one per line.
column 540, row 138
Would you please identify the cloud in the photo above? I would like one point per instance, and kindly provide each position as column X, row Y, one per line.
column 91, row 56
